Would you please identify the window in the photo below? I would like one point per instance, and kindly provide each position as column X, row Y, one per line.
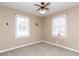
column 22, row 26
column 60, row 26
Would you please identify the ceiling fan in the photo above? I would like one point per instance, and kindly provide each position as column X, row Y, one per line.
column 42, row 7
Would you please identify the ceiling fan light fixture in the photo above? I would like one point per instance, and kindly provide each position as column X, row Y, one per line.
column 42, row 11
column 42, row 7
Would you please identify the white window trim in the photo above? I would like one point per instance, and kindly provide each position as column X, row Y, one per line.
column 16, row 26
column 60, row 37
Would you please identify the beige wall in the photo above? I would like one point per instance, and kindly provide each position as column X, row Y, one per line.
column 37, row 33
column 7, row 33
column 72, row 40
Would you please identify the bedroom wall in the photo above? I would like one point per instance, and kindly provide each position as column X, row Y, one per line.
column 7, row 33
column 72, row 40
column 37, row 33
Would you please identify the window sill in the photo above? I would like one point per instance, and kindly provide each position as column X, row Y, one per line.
column 59, row 37
column 23, row 37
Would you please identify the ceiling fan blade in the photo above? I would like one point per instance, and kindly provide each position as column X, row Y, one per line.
column 46, row 4
column 38, row 8
column 46, row 8
column 37, row 5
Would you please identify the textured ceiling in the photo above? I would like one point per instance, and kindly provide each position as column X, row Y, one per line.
column 29, row 7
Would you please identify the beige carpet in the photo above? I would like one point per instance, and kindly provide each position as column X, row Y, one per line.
column 40, row 49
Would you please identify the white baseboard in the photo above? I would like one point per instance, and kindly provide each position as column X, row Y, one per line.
column 62, row 46
column 19, row 46
column 39, row 42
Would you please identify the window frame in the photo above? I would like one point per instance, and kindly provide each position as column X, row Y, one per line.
column 53, row 26
column 28, row 19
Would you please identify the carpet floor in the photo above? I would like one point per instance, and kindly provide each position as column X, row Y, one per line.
column 40, row 49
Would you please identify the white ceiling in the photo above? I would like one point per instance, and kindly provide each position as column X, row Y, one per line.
column 29, row 7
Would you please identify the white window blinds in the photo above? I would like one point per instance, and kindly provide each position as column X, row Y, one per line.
column 22, row 26
column 60, row 26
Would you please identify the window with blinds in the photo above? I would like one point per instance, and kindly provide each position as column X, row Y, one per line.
column 60, row 26
column 22, row 26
